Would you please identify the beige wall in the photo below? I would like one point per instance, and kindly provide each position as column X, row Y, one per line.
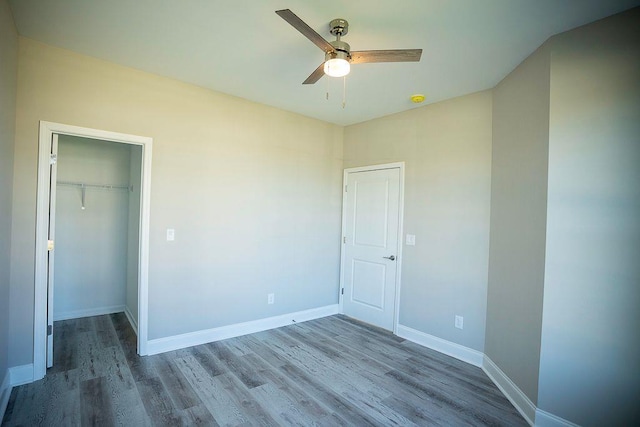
column 447, row 151
column 518, row 221
column 589, row 370
column 8, row 85
column 253, row 193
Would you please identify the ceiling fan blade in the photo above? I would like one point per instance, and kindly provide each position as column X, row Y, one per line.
column 306, row 30
column 315, row 76
column 395, row 55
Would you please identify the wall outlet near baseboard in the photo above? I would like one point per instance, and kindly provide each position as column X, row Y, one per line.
column 459, row 322
column 271, row 298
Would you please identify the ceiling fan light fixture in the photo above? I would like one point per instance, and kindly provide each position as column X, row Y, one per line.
column 337, row 67
column 337, row 54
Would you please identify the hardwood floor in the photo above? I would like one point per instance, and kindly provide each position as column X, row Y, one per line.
column 330, row 371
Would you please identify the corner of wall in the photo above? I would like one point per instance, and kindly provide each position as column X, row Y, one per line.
column 520, row 147
column 518, row 399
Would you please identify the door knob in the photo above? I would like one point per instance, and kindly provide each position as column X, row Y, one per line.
column 392, row 257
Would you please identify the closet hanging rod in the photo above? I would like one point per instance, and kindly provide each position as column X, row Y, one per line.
column 102, row 186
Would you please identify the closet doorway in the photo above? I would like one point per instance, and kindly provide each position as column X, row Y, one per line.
column 92, row 231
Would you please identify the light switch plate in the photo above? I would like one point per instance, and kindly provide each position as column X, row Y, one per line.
column 411, row 240
column 171, row 234
column 459, row 322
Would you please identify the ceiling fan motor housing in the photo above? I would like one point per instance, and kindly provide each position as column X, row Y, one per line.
column 342, row 51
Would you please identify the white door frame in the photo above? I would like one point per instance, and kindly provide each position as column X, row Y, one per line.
column 53, row 173
column 397, row 165
column 47, row 129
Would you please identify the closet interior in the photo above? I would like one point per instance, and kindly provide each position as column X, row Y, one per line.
column 97, row 222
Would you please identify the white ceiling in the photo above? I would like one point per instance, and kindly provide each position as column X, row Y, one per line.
column 242, row 48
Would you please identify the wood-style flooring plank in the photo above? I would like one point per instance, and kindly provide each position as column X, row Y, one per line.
column 129, row 410
column 295, row 394
column 207, row 360
column 198, row 416
column 179, row 389
column 212, row 392
column 64, row 345
column 235, row 364
column 104, row 330
column 157, row 402
column 95, row 403
column 242, row 398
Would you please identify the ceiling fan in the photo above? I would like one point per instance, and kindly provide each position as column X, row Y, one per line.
column 338, row 56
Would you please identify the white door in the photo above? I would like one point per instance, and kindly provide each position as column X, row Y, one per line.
column 51, row 245
column 372, row 222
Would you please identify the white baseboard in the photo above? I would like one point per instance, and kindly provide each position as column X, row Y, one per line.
column 522, row 403
column 449, row 348
column 19, row 375
column 161, row 345
column 15, row 376
column 5, row 393
column 545, row 419
column 132, row 319
column 76, row 314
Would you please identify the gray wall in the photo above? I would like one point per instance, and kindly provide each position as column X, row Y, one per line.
column 518, row 221
column 8, row 85
column 253, row 193
column 447, row 150
column 133, row 247
column 91, row 243
column 589, row 370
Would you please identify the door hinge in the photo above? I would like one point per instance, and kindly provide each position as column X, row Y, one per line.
column 344, row 239
column 342, row 291
column 49, row 330
column 53, row 159
column 345, row 188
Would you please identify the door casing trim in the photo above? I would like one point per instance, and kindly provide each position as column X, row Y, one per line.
column 47, row 129
column 395, row 165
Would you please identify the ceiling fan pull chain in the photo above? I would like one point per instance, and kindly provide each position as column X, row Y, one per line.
column 344, row 92
column 327, row 96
